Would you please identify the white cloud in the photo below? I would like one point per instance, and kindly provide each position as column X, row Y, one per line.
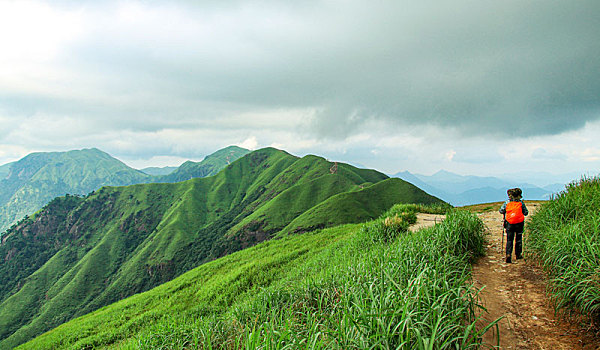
column 33, row 31
column 250, row 143
column 590, row 154
column 10, row 153
column 542, row 153
column 41, row 130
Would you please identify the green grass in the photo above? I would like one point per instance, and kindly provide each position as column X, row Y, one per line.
column 208, row 289
column 564, row 235
column 356, row 286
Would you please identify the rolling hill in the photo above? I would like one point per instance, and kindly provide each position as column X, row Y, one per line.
column 81, row 253
column 30, row 183
column 336, row 288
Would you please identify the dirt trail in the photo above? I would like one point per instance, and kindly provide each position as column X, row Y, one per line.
column 517, row 293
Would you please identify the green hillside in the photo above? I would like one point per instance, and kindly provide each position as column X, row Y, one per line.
column 350, row 287
column 36, row 179
column 358, row 206
column 209, row 166
column 79, row 254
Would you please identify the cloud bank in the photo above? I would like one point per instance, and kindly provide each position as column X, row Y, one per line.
column 177, row 77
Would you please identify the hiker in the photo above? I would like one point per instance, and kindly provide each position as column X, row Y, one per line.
column 514, row 211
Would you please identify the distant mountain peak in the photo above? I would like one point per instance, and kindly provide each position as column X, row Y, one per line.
column 209, row 166
column 229, row 153
column 447, row 175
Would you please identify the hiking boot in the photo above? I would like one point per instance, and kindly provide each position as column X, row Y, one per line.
column 508, row 260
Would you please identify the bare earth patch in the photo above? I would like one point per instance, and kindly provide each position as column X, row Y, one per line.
column 426, row 220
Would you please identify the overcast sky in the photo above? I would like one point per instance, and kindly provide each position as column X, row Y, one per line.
column 474, row 87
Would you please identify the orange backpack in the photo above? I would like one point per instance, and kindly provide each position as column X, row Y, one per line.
column 514, row 213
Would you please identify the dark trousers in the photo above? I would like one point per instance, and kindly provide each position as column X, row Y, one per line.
column 514, row 232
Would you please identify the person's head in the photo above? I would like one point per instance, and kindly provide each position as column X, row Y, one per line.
column 515, row 193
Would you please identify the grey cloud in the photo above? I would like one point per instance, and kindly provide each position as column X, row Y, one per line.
column 509, row 68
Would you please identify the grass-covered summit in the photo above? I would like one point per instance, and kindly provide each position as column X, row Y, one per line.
column 209, row 166
column 28, row 184
column 79, row 254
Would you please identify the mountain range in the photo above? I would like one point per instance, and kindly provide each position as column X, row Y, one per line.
column 465, row 190
column 80, row 253
column 29, row 183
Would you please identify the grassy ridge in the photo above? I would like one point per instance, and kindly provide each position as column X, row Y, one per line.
column 209, row 166
column 358, row 206
column 124, row 240
column 349, row 287
column 298, row 190
column 565, row 236
column 95, row 246
column 208, row 289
